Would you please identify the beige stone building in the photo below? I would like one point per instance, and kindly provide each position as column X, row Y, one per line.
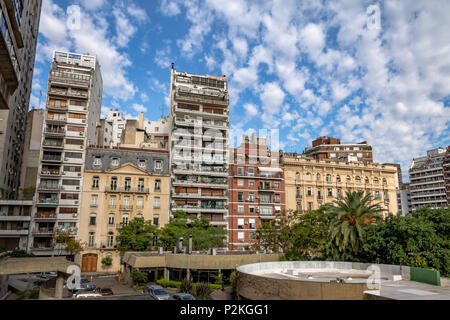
column 120, row 184
column 312, row 183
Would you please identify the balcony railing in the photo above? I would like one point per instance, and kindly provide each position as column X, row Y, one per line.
column 43, row 230
column 126, row 207
column 45, row 216
column 52, row 158
column 126, row 189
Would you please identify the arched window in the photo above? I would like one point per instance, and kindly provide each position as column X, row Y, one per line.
column 358, row 179
column 366, row 180
column 338, row 178
column 348, row 179
column 308, row 176
column 375, row 180
column 318, row 177
column 328, row 177
column 297, row 176
column 384, row 181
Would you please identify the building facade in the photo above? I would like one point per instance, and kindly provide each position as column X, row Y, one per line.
column 120, row 184
column 19, row 25
column 73, row 104
column 427, row 180
column 404, row 200
column 446, row 168
column 311, row 183
column 15, row 220
column 331, row 148
column 256, row 191
column 118, row 122
column 199, row 118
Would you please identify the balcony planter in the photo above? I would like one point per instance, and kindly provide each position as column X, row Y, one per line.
column 106, row 262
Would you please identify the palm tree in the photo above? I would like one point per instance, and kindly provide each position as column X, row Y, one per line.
column 349, row 216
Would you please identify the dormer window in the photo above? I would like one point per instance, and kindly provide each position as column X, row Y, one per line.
column 142, row 164
column 115, row 162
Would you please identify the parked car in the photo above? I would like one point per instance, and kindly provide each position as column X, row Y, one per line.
column 182, row 296
column 37, row 283
column 49, row 275
column 88, row 295
column 79, row 291
column 157, row 292
column 86, row 284
column 105, row 292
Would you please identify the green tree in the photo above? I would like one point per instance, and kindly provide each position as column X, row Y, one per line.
column 66, row 241
column 138, row 276
column 204, row 235
column 137, row 235
column 348, row 218
column 276, row 235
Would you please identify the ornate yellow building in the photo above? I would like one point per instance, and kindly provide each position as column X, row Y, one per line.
column 118, row 186
column 311, row 183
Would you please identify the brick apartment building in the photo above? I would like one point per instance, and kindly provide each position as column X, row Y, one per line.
column 256, row 190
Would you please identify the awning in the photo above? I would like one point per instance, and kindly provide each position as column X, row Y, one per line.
column 270, row 169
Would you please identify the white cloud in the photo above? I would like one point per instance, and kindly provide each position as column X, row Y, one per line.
column 139, row 107
column 251, row 110
column 170, row 7
column 92, row 4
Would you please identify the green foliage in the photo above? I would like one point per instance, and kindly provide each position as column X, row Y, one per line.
column 204, row 236
column 219, row 279
column 348, row 218
column 64, row 237
column 28, row 193
column 168, row 283
column 233, row 282
column 202, row 290
column 138, row 276
column 27, row 295
column 186, row 286
column 20, row 254
column 137, row 235
column 107, row 261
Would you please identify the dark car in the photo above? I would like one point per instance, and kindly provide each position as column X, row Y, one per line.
column 49, row 275
column 105, row 292
column 38, row 283
column 156, row 292
column 183, row 296
column 86, row 284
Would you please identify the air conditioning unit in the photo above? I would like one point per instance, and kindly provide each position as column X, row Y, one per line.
column 75, row 215
column 79, row 174
column 83, row 121
column 81, row 147
column 81, row 133
column 77, row 188
column 76, row 201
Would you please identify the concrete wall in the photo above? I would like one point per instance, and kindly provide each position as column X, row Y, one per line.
column 254, row 286
column 31, row 265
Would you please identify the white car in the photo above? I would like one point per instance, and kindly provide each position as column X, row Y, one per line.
column 88, row 295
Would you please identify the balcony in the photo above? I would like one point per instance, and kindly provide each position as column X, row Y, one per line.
column 53, row 145
column 13, row 232
column 113, row 189
column 266, row 189
column 71, row 79
column 43, row 216
column 44, row 187
column 198, row 196
column 9, row 67
column 51, row 173
column 52, row 158
column 55, row 132
column 206, row 184
column 126, row 208
column 200, row 97
column 44, row 231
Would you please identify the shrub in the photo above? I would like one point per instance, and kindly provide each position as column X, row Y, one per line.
column 20, row 254
column 202, row 290
column 168, row 283
column 186, row 286
column 107, row 261
column 138, row 276
column 219, row 279
column 233, row 284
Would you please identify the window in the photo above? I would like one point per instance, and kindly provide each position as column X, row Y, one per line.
column 251, row 209
column 240, row 197
column 298, row 195
column 328, row 177
column 375, row 180
column 348, row 179
column 91, row 239
column 114, row 183
column 111, row 219
column 251, row 224
column 308, row 176
column 319, row 193
column 377, row 195
column 339, row 194
column 240, row 209
column 70, row 182
column 125, row 219
column 310, row 206
column 240, row 171
column 332, row 155
column 92, row 219
column 158, row 165
column 240, row 183
column 251, row 184
column 241, row 236
column 386, row 197
column 277, row 198
column 338, row 178
column 156, row 220
column 112, row 202
column 110, row 242
column 141, row 185
column 252, row 235
column 114, row 162
column 358, row 179
column 384, row 181
column 309, row 191
column 140, row 202
column 240, row 223
column 95, row 181
column 318, row 177
column 142, row 164
column 299, row 207
column 251, row 196
column 297, row 176
column 359, row 155
column 266, row 211
column 74, row 155
column 329, row 192
column 126, row 202
column 157, row 185
column 157, row 204
column 251, row 171
column 94, row 200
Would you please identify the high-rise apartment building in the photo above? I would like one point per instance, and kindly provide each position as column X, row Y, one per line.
column 311, row 183
column 256, row 190
column 73, row 105
column 446, row 168
column 427, row 180
column 331, row 148
column 199, row 118
column 404, row 200
column 118, row 122
column 19, row 25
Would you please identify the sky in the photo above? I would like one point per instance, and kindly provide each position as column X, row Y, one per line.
column 355, row 70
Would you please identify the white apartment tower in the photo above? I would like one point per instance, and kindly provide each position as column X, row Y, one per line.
column 427, row 180
column 199, row 120
column 118, row 123
column 73, row 105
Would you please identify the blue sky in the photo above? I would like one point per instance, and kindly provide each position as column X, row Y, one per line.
column 305, row 68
